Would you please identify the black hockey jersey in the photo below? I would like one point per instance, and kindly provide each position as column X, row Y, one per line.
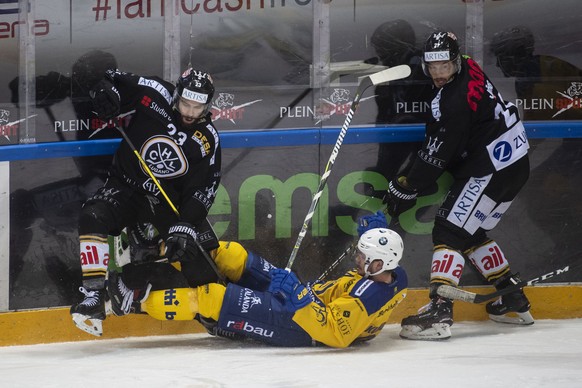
column 472, row 131
column 187, row 163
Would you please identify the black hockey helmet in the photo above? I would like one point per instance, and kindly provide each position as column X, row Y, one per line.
column 195, row 85
column 393, row 41
column 517, row 40
column 90, row 68
column 513, row 47
column 441, row 46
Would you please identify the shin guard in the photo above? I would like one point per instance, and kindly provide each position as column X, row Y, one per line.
column 447, row 265
column 94, row 251
column 489, row 260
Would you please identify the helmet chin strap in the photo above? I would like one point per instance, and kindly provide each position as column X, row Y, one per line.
column 367, row 273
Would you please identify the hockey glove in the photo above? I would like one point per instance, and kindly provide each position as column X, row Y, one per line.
column 105, row 100
column 377, row 220
column 181, row 242
column 144, row 243
column 399, row 198
column 287, row 287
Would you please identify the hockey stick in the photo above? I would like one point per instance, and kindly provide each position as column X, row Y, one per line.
column 391, row 74
column 341, row 257
column 455, row 293
column 337, row 262
column 169, row 202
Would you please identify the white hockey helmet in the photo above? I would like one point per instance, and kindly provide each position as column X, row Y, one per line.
column 381, row 244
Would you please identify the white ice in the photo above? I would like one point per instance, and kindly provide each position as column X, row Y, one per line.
column 480, row 354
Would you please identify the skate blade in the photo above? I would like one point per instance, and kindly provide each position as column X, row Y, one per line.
column 514, row 319
column 438, row 332
column 89, row 325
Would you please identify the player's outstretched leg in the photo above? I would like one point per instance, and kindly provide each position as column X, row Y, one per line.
column 433, row 321
column 511, row 308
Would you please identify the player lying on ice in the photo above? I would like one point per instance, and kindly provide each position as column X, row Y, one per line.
column 271, row 305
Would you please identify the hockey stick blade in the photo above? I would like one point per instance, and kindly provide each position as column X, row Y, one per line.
column 455, row 293
column 391, row 74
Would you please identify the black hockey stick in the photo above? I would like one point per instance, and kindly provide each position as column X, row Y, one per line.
column 391, row 74
column 211, row 262
column 455, row 293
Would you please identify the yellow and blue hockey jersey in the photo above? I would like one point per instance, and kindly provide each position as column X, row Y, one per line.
column 350, row 308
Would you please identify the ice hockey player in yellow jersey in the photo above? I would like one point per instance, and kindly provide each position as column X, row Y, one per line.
column 271, row 305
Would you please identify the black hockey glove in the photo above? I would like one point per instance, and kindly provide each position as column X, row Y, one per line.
column 398, row 198
column 181, row 242
column 105, row 100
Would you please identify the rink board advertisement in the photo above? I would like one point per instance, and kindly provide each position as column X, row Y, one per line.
column 262, row 202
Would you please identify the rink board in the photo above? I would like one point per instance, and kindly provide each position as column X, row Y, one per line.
column 55, row 325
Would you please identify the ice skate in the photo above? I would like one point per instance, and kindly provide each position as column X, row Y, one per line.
column 120, row 295
column 88, row 315
column 433, row 321
column 512, row 308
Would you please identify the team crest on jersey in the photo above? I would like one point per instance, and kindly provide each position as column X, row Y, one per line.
column 164, row 157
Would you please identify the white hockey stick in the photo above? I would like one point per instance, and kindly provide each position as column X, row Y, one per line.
column 391, row 74
column 455, row 293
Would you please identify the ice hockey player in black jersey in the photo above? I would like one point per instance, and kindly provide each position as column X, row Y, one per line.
column 171, row 128
column 480, row 140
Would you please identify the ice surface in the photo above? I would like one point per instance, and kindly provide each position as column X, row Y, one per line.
column 480, row 354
